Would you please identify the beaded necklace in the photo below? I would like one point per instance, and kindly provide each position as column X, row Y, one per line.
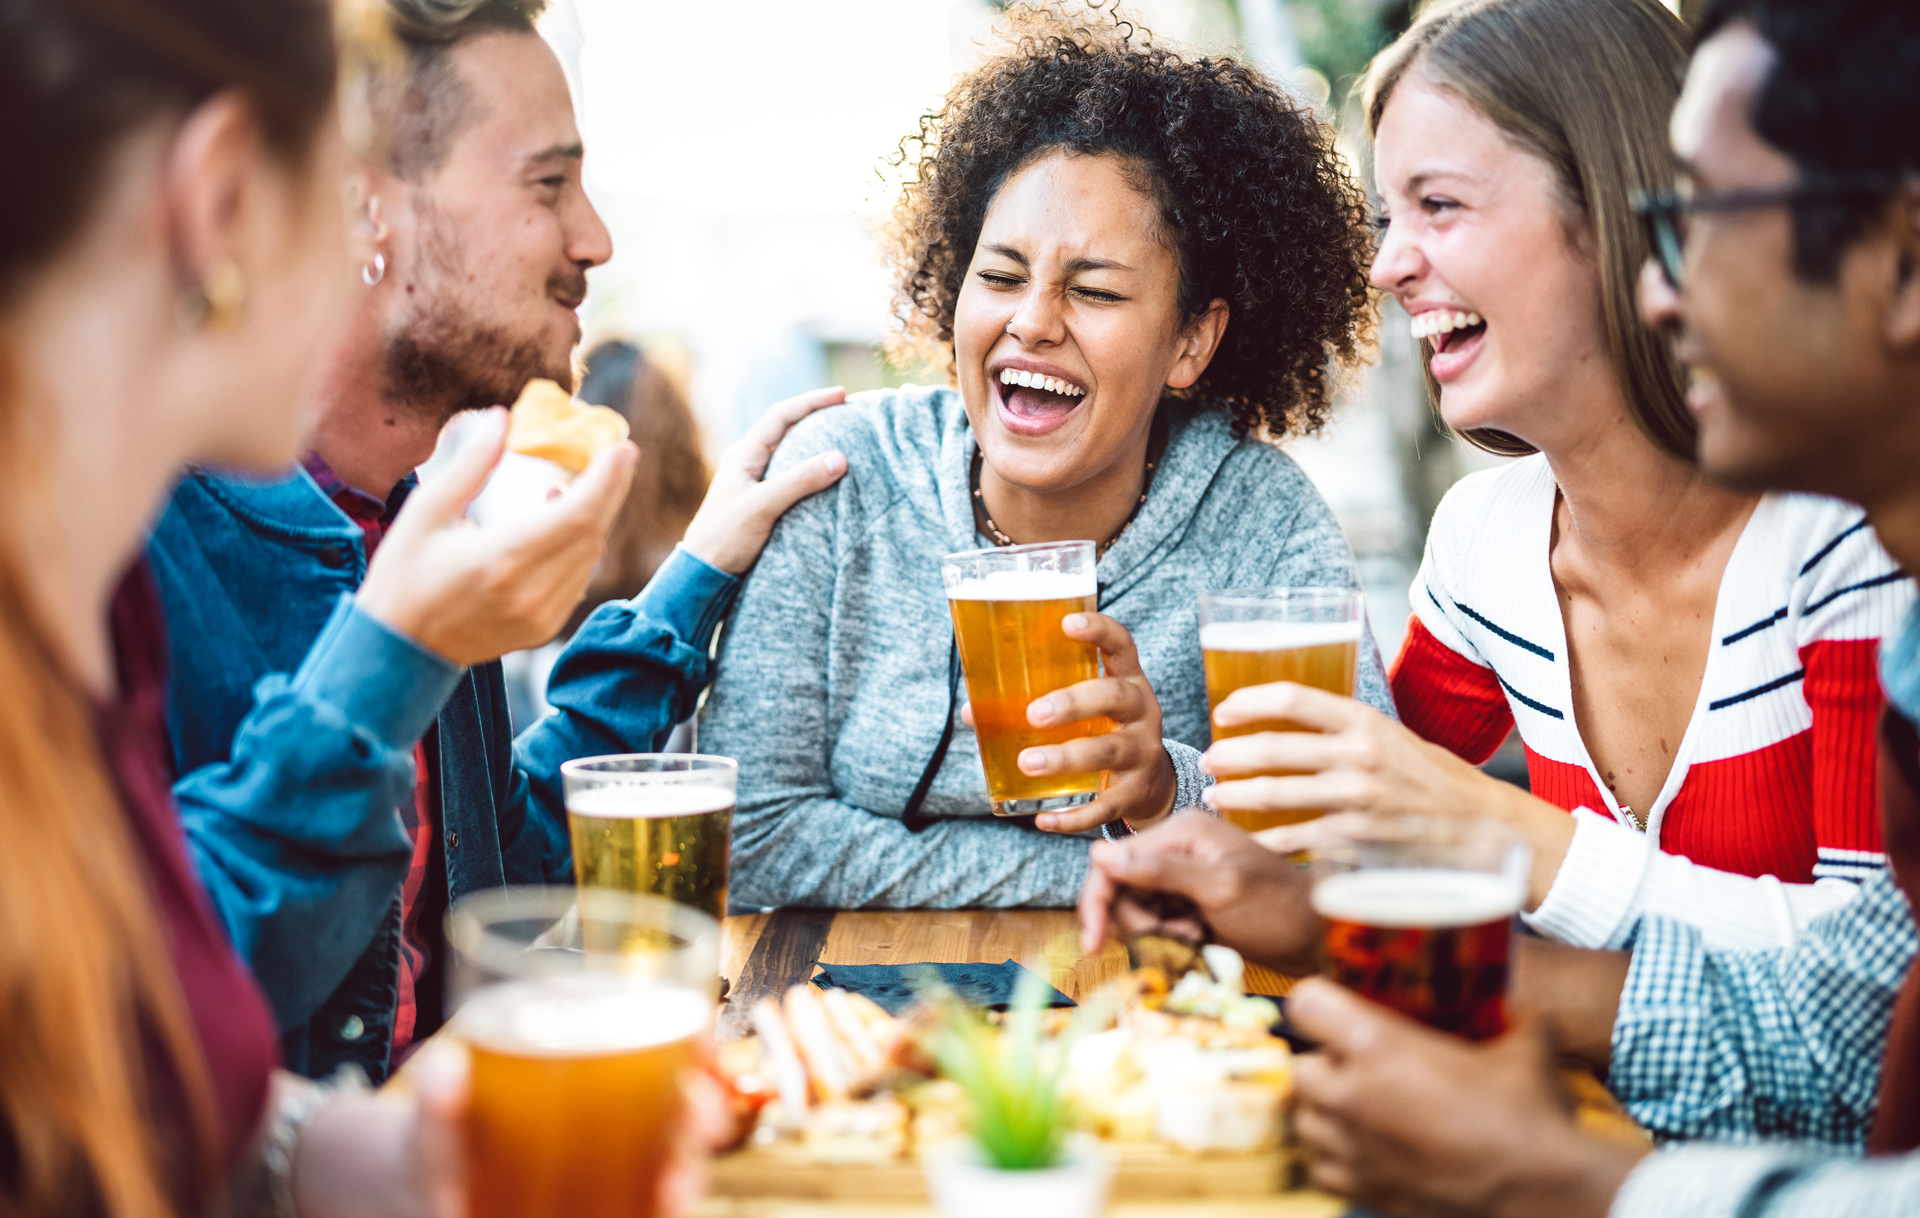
column 1156, row 450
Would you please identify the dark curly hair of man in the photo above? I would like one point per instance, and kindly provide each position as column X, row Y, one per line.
column 1254, row 200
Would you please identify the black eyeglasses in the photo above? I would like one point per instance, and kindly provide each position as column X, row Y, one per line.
column 1665, row 212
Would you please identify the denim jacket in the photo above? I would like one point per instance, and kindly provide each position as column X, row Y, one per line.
column 294, row 718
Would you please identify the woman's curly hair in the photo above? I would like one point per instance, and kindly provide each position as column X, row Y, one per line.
column 1254, row 199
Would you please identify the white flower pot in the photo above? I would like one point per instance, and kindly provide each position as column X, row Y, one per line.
column 965, row 1186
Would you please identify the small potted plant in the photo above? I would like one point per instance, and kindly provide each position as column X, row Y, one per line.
column 1022, row 1157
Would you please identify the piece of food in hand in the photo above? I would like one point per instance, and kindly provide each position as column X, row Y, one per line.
column 548, row 423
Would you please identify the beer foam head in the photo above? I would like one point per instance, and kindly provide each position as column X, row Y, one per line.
column 580, row 1016
column 1024, row 586
column 649, row 800
column 1415, row 897
column 1276, row 636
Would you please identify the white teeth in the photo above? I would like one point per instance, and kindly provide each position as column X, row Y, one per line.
column 1034, row 380
column 1439, row 321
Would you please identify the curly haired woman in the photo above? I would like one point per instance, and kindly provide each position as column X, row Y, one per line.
column 1178, row 247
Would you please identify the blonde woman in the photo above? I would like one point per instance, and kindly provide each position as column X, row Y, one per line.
column 1690, row 666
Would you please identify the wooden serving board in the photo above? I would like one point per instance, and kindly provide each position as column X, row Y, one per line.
column 1146, row 1170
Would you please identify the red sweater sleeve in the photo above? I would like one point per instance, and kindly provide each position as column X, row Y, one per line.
column 1448, row 699
column 1843, row 691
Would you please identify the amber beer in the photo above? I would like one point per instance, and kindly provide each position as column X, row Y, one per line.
column 1007, row 607
column 671, row 841
column 582, row 1009
column 576, row 1094
column 659, row 823
column 1420, row 916
column 1310, row 636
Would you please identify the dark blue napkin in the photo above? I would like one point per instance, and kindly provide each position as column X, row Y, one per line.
column 892, row 985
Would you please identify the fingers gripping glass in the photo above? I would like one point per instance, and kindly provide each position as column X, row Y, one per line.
column 1665, row 212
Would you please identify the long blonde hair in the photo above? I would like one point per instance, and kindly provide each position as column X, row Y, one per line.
column 93, row 1024
column 1586, row 86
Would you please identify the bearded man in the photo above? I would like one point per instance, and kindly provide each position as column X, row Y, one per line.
column 333, row 813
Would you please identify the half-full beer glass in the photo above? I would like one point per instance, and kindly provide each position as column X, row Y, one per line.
column 1007, row 607
column 1420, row 916
column 659, row 823
column 1256, row 636
column 581, row 1009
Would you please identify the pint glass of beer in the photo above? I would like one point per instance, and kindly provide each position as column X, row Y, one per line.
column 1420, row 915
column 659, row 823
column 1007, row 606
column 1256, row 636
column 580, row 1010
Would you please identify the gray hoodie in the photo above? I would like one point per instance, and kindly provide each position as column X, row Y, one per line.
column 833, row 668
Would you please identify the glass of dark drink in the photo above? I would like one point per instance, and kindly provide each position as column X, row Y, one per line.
column 1420, row 916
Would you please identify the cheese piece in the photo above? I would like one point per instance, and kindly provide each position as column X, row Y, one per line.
column 547, row 423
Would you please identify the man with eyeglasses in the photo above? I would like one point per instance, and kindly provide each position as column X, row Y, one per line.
column 1788, row 275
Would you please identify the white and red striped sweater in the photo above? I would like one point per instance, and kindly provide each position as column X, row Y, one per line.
column 1775, row 775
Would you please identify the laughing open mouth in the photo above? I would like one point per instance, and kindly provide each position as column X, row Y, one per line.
column 1037, row 399
column 1447, row 328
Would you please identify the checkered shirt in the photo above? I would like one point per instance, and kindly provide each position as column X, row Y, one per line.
column 1741, row 1046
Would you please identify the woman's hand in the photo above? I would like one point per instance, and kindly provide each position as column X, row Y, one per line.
column 1255, row 901
column 1140, row 780
column 472, row 594
column 739, row 512
column 398, row 1153
column 1352, row 758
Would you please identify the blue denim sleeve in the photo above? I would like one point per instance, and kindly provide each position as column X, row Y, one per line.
column 296, row 835
column 633, row 670
column 1740, row 1046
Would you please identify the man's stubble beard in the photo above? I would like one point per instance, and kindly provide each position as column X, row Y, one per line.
column 442, row 359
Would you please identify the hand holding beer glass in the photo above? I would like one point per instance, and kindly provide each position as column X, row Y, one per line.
column 1420, row 915
column 659, row 823
column 581, row 1009
column 1258, row 636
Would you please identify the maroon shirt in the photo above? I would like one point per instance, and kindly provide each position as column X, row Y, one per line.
column 228, row 1010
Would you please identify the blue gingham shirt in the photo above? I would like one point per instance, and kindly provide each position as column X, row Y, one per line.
column 1741, row 1046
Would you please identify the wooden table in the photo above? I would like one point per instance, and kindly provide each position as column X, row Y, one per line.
column 764, row 954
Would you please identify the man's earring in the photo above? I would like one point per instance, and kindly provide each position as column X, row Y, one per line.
column 372, row 273
column 217, row 300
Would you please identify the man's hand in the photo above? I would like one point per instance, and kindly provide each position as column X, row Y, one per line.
column 739, row 512
column 1255, row 901
column 1140, row 779
column 472, row 594
column 1411, row 1121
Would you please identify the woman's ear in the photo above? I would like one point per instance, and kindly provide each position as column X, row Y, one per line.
column 207, row 176
column 1198, row 344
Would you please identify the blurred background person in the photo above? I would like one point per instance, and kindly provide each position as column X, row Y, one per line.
column 166, row 288
column 1691, row 667
column 669, row 482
